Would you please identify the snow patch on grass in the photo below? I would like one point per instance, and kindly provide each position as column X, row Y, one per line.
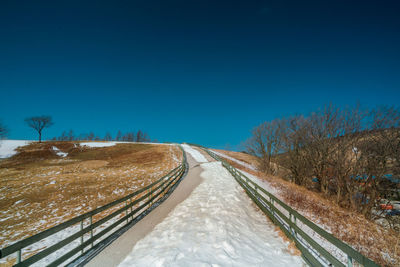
column 7, row 147
column 98, row 144
column 59, row 152
column 113, row 143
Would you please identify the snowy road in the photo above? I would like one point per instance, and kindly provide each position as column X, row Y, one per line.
column 216, row 225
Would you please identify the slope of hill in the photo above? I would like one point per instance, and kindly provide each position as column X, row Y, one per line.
column 370, row 238
column 48, row 183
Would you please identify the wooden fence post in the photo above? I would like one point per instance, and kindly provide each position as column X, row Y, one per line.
column 349, row 261
column 126, row 212
column 91, row 230
column 19, row 256
column 82, row 236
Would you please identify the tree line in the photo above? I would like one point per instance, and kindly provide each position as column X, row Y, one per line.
column 138, row 136
column 39, row 123
column 350, row 155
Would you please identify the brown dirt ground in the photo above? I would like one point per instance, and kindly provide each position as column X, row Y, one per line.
column 39, row 189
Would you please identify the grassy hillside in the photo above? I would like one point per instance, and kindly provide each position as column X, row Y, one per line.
column 41, row 187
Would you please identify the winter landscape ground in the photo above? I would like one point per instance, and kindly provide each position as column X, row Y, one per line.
column 200, row 133
column 45, row 184
column 215, row 224
column 370, row 238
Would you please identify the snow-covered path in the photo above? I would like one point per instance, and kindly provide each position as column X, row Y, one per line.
column 194, row 153
column 217, row 225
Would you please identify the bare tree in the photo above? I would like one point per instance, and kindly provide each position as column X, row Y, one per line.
column 145, row 137
column 142, row 137
column 294, row 140
column 118, row 136
column 39, row 123
column 90, row 136
column 3, row 131
column 108, row 137
column 351, row 153
column 129, row 137
column 345, row 158
column 63, row 136
column 139, row 136
column 71, row 136
column 323, row 127
column 82, row 136
column 265, row 143
column 380, row 155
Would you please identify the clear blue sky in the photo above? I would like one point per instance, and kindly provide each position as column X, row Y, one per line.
column 205, row 72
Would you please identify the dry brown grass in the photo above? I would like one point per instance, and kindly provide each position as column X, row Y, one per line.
column 39, row 189
column 369, row 238
column 247, row 158
column 205, row 154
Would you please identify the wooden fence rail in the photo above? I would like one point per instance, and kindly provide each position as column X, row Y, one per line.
column 130, row 208
column 292, row 224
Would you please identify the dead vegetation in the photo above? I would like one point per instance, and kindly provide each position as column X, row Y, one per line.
column 246, row 158
column 348, row 154
column 372, row 240
column 40, row 189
